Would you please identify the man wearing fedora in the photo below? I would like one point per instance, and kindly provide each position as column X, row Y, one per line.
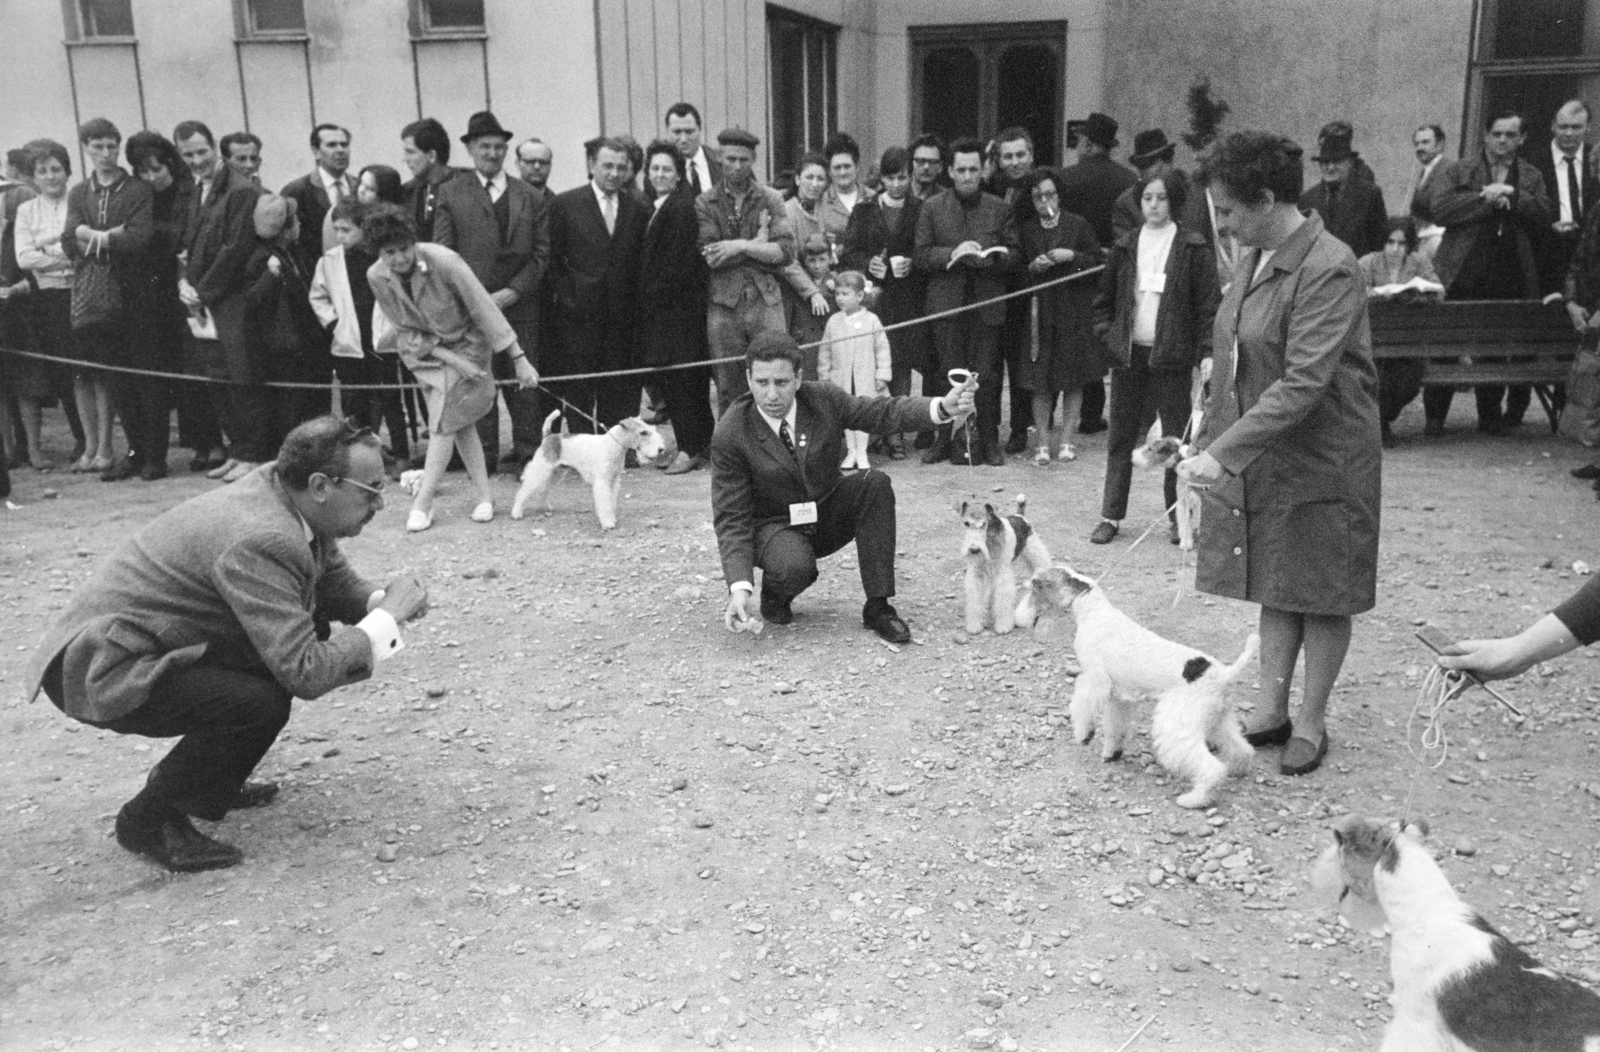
column 1352, row 209
column 1152, row 156
column 501, row 227
column 1091, row 188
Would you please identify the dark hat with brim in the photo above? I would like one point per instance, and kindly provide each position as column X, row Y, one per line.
column 1151, row 146
column 483, row 123
column 1101, row 130
column 737, row 137
column 1333, row 143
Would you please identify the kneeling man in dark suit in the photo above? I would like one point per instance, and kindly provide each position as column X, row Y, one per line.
column 777, row 496
column 211, row 618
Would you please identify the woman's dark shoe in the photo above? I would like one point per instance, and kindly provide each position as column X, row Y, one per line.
column 1104, row 533
column 1587, row 471
column 1278, row 735
column 1301, row 757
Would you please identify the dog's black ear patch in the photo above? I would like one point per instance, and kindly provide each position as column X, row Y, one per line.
column 1023, row 529
column 1195, row 667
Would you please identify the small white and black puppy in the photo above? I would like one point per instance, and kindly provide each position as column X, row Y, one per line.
column 1121, row 661
column 597, row 458
column 1459, row 985
column 995, row 547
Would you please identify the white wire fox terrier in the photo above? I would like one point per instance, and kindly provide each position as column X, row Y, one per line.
column 1122, row 661
column 1458, row 983
column 597, row 458
column 993, row 546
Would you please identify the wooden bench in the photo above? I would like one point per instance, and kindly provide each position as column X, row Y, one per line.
column 1466, row 343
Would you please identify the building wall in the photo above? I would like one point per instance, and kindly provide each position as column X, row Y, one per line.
column 359, row 68
column 1384, row 67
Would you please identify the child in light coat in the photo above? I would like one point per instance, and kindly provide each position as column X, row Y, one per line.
column 854, row 356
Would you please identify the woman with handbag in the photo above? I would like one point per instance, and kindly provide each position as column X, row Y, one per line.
column 107, row 227
column 448, row 331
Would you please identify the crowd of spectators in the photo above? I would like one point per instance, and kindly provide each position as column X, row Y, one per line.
column 168, row 256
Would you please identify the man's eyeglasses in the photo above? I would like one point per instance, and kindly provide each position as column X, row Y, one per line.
column 375, row 491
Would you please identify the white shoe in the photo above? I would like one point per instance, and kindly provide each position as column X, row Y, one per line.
column 1066, row 452
column 418, row 520
column 483, row 512
column 1042, row 456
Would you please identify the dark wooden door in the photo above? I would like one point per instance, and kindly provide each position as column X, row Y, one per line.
column 978, row 79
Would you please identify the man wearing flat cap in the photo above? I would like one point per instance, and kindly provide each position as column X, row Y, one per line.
column 778, row 498
column 746, row 240
column 1351, row 208
column 501, row 227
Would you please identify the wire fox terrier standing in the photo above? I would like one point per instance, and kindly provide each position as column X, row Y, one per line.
column 1122, row 661
column 993, row 546
column 1458, row 982
column 597, row 458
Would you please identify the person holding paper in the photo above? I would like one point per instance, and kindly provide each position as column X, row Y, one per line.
column 1400, row 268
column 778, row 499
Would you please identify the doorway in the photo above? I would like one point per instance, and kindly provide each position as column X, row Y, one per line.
column 973, row 80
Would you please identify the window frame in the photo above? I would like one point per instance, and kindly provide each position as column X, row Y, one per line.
column 1482, row 68
column 77, row 25
column 245, row 27
column 421, row 29
column 783, row 17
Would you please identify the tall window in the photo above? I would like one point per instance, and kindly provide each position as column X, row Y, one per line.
column 447, row 17
column 978, row 79
column 1531, row 56
column 804, row 92
column 274, row 18
column 102, row 18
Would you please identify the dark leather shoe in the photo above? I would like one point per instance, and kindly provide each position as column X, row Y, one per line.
column 1588, row 471
column 173, row 842
column 254, row 794
column 153, row 472
column 775, row 608
column 1018, row 442
column 1278, row 735
column 1301, row 757
column 886, row 622
column 1432, row 428
column 1092, row 427
column 126, row 468
column 939, row 451
column 1104, row 533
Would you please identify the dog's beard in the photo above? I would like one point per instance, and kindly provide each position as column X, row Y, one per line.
column 1330, row 886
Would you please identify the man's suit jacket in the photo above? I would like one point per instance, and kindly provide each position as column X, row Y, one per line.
column 312, row 206
column 713, row 162
column 465, row 222
column 1554, row 251
column 422, row 197
column 1354, row 213
column 670, row 318
column 1468, row 219
column 593, row 281
column 221, row 236
column 754, row 479
column 1422, row 196
column 1091, row 188
column 945, row 222
column 227, row 578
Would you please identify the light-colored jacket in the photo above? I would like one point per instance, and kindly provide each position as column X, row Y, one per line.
column 441, row 306
column 854, row 354
column 331, row 299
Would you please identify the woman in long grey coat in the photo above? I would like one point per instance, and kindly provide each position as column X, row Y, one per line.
column 1291, row 447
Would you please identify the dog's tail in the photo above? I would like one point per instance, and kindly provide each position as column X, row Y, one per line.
column 1252, row 647
column 549, row 421
column 1022, row 504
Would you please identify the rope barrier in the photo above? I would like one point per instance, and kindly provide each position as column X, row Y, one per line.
column 290, row 385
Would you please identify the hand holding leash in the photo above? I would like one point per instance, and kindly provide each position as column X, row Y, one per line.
column 960, row 402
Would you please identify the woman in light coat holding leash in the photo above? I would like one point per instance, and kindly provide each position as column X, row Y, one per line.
column 1291, row 452
column 447, row 329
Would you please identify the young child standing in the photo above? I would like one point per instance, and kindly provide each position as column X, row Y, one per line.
column 854, row 356
column 805, row 325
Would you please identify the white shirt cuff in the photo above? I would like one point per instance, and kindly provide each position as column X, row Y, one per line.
column 937, row 413
column 384, row 633
column 742, row 586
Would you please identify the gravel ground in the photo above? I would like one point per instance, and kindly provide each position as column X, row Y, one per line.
column 578, row 814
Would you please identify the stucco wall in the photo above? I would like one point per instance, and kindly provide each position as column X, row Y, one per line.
column 1293, row 65
column 540, row 70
